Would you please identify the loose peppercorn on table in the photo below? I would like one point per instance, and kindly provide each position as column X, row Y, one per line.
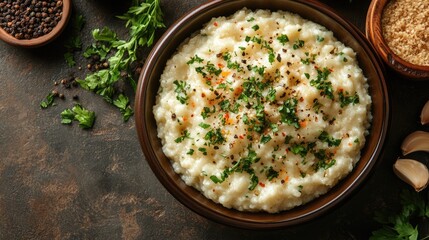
column 64, row 182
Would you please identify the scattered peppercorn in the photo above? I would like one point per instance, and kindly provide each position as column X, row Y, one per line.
column 28, row 19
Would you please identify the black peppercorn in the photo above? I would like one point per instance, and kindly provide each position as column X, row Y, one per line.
column 27, row 19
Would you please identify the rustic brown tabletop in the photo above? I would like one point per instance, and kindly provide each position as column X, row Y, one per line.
column 62, row 182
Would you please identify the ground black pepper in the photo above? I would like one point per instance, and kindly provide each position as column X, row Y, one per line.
column 27, row 19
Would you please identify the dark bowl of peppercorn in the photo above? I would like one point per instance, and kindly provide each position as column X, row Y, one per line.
column 32, row 23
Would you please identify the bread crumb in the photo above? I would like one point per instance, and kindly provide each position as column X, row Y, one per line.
column 405, row 28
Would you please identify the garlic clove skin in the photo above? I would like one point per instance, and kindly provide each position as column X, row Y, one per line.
column 416, row 141
column 412, row 172
column 424, row 116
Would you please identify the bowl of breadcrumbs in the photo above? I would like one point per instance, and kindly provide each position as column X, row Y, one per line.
column 399, row 31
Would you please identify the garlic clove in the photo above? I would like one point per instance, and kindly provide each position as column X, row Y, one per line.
column 424, row 116
column 412, row 172
column 416, row 141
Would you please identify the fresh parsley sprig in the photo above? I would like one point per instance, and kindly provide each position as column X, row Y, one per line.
column 402, row 225
column 78, row 113
column 142, row 20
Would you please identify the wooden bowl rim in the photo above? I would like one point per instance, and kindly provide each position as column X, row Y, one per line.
column 373, row 31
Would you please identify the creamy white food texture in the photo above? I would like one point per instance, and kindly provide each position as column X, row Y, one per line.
column 262, row 111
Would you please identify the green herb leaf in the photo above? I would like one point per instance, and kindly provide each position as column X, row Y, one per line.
column 288, row 112
column 195, row 59
column 325, row 137
column 181, row 88
column 214, row 136
column 283, row 39
column 271, row 173
column 322, row 83
column 348, row 99
column 123, row 104
column 184, row 136
column 85, row 117
column 48, row 101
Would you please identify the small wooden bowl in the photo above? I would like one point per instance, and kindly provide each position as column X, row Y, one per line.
column 374, row 32
column 42, row 40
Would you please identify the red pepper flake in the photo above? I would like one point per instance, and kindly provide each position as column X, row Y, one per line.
column 261, row 184
column 215, row 24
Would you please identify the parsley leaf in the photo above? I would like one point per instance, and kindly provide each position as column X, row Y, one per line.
column 48, row 101
column 322, row 83
column 214, row 136
column 288, row 112
column 181, row 88
column 244, row 164
column 123, row 104
column 142, row 20
column 185, row 135
column 283, row 39
column 74, row 43
column 85, row 117
column 324, row 137
column 400, row 225
column 271, row 173
column 348, row 99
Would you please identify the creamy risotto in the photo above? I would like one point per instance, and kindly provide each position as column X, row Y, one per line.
column 262, row 111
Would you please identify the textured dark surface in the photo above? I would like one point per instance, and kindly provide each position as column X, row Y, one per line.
column 62, row 182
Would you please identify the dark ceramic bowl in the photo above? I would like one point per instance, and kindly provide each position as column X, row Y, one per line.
column 42, row 40
column 374, row 33
column 193, row 199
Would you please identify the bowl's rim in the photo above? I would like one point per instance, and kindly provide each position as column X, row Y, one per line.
column 240, row 220
column 374, row 33
column 42, row 40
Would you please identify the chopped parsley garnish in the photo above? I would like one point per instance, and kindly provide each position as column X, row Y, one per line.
column 320, row 38
column 203, row 150
column 251, row 19
column 195, row 59
column 190, row 152
column 204, row 125
column 255, row 27
column 325, row 160
column 243, row 165
column 331, row 141
column 214, row 136
column 307, row 75
column 283, row 39
column 299, row 149
column 298, row 44
column 271, row 173
column 184, row 136
column 210, row 67
column 265, row 139
column 85, row 117
column 322, row 83
column 207, row 112
column 348, row 99
column 288, row 112
column 305, row 61
column 181, row 88
column 271, row 96
column 260, row 70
